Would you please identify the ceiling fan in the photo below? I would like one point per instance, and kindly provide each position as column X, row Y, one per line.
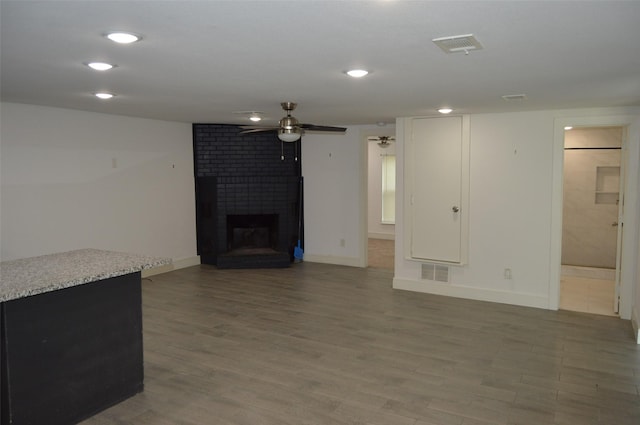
column 383, row 141
column 289, row 128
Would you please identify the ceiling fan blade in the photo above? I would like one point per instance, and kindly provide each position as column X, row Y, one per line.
column 259, row 127
column 323, row 128
column 258, row 130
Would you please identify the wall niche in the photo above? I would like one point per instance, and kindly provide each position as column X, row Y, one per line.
column 607, row 185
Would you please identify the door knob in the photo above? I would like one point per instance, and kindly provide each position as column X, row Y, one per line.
column 614, row 224
column 455, row 209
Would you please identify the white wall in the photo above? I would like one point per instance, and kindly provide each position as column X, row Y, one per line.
column 635, row 315
column 512, row 202
column 73, row 179
column 335, row 195
column 635, row 310
column 509, row 208
column 331, row 167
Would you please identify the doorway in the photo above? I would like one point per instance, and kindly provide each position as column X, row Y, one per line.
column 592, row 189
column 381, row 174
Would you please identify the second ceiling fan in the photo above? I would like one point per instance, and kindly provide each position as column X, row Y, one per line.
column 289, row 128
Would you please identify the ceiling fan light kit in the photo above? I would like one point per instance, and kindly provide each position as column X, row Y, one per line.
column 289, row 126
column 382, row 141
column 288, row 135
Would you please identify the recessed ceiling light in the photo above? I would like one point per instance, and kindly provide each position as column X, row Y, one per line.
column 568, row 127
column 254, row 116
column 103, row 95
column 357, row 73
column 123, row 37
column 445, row 110
column 100, row 66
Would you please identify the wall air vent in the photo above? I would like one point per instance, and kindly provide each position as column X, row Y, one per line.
column 428, row 271
column 435, row 272
column 442, row 274
column 458, row 43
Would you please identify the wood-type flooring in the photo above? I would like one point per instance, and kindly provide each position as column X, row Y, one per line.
column 381, row 253
column 325, row 344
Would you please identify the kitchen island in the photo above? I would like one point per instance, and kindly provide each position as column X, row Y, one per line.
column 71, row 332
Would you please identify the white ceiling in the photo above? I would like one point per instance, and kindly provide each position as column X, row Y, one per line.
column 201, row 61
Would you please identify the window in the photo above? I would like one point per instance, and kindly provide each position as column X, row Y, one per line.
column 388, row 189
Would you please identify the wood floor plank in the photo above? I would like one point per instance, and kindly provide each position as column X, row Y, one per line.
column 323, row 344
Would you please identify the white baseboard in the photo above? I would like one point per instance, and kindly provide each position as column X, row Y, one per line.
column 387, row 236
column 330, row 259
column 635, row 322
column 175, row 265
column 471, row 293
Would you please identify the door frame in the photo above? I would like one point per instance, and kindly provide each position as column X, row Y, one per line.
column 628, row 266
column 622, row 157
column 365, row 133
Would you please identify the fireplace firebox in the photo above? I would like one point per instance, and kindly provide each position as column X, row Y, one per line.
column 252, row 234
column 252, row 242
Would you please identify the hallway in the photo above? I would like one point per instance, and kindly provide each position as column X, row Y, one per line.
column 381, row 253
column 587, row 290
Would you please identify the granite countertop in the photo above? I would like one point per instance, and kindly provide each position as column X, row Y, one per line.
column 31, row 276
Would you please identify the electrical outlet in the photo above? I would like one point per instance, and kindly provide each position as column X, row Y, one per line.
column 507, row 273
column 342, row 243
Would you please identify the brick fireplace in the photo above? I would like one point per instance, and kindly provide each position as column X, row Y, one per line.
column 247, row 197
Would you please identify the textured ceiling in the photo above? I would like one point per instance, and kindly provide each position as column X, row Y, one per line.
column 201, row 61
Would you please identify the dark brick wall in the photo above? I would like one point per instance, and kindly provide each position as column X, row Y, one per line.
column 243, row 174
column 220, row 151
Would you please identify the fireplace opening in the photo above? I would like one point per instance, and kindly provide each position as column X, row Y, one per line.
column 251, row 234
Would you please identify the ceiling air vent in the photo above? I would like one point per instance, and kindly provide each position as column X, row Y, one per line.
column 458, row 43
column 514, row 97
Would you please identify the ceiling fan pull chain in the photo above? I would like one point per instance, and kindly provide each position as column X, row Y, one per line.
column 295, row 145
column 282, row 150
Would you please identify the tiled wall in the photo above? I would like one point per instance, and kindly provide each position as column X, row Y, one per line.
column 243, row 174
column 591, row 179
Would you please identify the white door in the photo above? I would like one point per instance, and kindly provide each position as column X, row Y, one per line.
column 437, row 179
